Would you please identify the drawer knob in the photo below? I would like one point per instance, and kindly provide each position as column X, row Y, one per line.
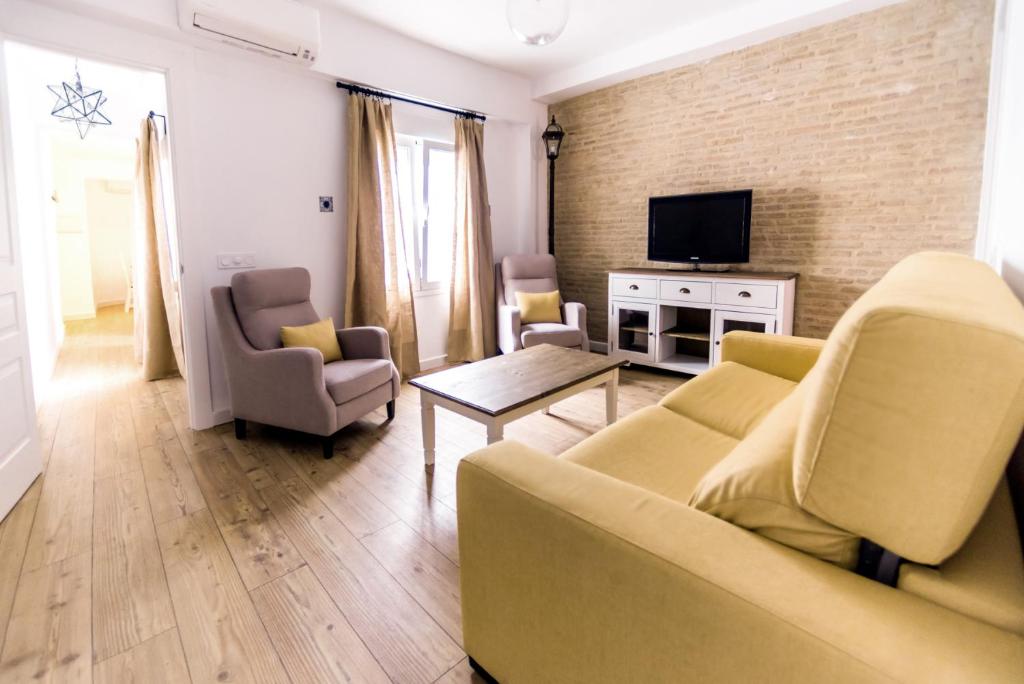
column 684, row 290
column 634, row 287
column 744, row 293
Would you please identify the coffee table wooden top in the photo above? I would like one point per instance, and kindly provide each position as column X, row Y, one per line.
column 503, row 383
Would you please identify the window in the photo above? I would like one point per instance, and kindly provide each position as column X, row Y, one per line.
column 426, row 193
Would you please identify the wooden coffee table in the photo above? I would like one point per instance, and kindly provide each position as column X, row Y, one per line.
column 504, row 388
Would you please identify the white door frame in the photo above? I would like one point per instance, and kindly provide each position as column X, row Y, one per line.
column 21, row 459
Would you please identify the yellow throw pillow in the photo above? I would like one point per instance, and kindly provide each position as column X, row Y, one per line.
column 321, row 336
column 752, row 487
column 539, row 307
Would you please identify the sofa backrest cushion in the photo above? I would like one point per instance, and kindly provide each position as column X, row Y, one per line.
column 268, row 299
column 752, row 487
column 528, row 273
column 915, row 405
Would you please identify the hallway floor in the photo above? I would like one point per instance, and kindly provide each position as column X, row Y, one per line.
column 150, row 552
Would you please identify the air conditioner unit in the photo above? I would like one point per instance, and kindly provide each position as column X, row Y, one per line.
column 280, row 28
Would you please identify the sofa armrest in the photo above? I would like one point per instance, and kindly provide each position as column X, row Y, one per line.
column 786, row 356
column 367, row 342
column 575, row 314
column 509, row 329
column 283, row 387
column 566, row 570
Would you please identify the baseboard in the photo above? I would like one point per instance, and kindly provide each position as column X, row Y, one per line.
column 219, row 417
column 599, row 347
column 433, row 362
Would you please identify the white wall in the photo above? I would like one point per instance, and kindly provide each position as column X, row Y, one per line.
column 255, row 142
column 108, row 214
column 263, row 169
column 1001, row 220
column 90, row 241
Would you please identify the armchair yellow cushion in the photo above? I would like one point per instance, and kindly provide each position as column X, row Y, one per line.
column 320, row 335
column 539, row 307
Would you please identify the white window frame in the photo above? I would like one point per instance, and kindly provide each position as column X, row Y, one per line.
column 420, row 221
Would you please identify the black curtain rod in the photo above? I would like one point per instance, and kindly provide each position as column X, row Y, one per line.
column 153, row 115
column 362, row 90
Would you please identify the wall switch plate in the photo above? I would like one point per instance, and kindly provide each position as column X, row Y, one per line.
column 236, row 260
column 326, row 203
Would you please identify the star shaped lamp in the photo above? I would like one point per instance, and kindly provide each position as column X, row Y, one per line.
column 80, row 104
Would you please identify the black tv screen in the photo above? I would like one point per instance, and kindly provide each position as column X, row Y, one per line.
column 709, row 228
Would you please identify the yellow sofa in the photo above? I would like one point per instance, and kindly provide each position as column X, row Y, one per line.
column 603, row 565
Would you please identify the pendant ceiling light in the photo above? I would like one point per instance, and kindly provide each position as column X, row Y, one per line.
column 79, row 103
column 537, row 22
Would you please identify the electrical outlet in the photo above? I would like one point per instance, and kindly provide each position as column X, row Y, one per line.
column 326, row 203
column 236, row 260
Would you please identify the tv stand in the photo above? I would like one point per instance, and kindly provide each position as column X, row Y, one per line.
column 675, row 319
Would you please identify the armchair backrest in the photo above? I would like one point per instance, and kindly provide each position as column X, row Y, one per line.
column 914, row 407
column 266, row 299
column 527, row 273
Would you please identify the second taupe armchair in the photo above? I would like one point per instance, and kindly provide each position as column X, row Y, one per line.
column 534, row 273
column 292, row 387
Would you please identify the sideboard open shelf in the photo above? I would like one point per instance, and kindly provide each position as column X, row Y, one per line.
column 676, row 319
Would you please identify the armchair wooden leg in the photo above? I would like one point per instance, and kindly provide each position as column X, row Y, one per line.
column 328, row 444
column 391, row 410
column 239, row 428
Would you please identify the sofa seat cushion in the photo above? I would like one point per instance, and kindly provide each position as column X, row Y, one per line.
column 558, row 334
column 729, row 398
column 656, row 449
column 985, row 578
column 347, row 380
column 752, row 487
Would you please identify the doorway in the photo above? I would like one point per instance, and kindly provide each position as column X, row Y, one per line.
column 77, row 192
column 91, row 185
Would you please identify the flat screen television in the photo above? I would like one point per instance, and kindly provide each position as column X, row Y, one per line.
column 707, row 228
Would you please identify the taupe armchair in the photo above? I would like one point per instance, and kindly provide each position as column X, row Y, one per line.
column 292, row 387
column 534, row 273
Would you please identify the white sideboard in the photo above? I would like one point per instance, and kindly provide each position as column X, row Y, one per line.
column 676, row 319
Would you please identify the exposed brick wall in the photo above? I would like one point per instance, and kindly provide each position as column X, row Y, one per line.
column 862, row 140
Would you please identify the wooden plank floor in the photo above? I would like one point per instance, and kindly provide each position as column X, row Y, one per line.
column 149, row 552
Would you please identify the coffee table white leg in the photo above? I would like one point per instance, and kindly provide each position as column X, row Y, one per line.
column 495, row 432
column 611, row 398
column 427, row 426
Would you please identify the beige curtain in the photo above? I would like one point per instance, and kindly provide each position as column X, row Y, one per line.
column 157, row 317
column 378, row 289
column 471, row 326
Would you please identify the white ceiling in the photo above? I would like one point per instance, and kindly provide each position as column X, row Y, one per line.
column 478, row 28
column 605, row 41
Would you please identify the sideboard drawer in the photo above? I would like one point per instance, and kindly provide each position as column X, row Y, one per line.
column 635, row 287
column 681, row 291
column 735, row 294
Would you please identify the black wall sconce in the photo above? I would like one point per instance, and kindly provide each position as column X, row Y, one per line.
column 552, row 137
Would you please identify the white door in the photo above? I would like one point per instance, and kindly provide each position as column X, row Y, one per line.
column 727, row 321
column 20, row 456
column 632, row 331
